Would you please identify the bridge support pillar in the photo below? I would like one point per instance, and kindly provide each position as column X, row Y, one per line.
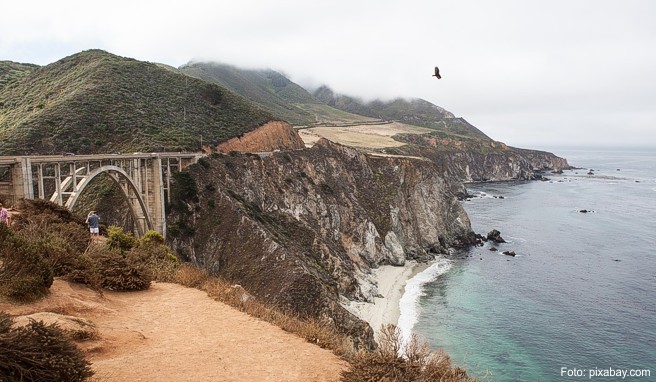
column 21, row 180
column 156, row 203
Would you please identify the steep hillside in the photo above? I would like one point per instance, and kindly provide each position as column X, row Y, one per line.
column 267, row 88
column 94, row 101
column 316, row 222
column 14, row 71
column 413, row 112
column 273, row 92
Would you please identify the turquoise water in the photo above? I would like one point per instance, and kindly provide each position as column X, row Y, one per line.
column 581, row 292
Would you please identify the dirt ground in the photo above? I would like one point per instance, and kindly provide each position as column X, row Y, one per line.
column 361, row 136
column 173, row 333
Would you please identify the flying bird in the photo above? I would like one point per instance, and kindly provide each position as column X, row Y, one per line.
column 437, row 73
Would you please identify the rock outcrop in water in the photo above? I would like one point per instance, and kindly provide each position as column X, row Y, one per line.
column 303, row 229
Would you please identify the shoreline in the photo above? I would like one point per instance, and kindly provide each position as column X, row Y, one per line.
column 391, row 281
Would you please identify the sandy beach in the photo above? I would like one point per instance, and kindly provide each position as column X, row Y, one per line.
column 391, row 282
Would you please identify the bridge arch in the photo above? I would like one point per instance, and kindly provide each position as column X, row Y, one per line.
column 145, row 178
column 129, row 188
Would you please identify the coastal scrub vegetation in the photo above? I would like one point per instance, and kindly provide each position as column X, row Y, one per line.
column 94, row 101
column 39, row 352
column 396, row 361
column 48, row 241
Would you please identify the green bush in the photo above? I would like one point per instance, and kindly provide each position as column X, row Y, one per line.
column 119, row 240
column 156, row 256
column 39, row 352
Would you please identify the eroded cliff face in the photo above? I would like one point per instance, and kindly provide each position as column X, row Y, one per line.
column 303, row 229
column 476, row 160
column 273, row 135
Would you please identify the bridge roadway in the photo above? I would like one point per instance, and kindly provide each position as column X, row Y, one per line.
column 144, row 178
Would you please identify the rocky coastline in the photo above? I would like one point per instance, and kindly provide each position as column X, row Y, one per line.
column 321, row 231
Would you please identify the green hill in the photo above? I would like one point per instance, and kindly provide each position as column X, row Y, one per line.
column 13, row 71
column 95, row 101
column 273, row 92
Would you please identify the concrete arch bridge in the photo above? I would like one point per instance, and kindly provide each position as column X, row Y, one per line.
column 145, row 180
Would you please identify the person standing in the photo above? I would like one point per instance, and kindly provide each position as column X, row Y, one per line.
column 92, row 221
column 5, row 216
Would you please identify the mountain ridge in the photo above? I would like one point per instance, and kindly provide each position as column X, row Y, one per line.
column 94, row 101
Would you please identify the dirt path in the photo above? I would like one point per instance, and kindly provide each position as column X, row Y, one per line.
column 173, row 333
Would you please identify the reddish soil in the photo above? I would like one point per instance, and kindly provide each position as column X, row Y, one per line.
column 173, row 333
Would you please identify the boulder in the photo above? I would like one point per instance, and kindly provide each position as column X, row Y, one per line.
column 495, row 236
column 509, row 253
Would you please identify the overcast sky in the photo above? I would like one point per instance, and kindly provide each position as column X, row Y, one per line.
column 529, row 73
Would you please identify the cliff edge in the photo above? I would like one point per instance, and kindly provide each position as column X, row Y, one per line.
column 303, row 229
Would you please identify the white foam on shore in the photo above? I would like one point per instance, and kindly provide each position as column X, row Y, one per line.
column 414, row 289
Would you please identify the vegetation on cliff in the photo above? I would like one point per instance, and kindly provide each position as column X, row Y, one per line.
column 46, row 352
column 94, row 101
column 317, row 221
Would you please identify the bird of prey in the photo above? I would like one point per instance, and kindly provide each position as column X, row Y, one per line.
column 437, row 73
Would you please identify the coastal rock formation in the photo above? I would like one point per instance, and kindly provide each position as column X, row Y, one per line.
column 481, row 160
column 303, row 229
column 495, row 236
column 273, row 135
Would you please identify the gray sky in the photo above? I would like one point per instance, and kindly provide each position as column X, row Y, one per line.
column 529, row 73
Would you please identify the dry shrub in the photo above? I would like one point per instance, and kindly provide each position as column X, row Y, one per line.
column 24, row 273
column 85, row 271
column 45, row 241
column 394, row 362
column 125, row 263
column 121, row 273
column 60, row 244
column 45, row 211
column 39, row 352
column 5, row 322
column 190, row 276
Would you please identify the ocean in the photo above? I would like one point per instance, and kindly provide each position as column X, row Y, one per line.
column 577, row 302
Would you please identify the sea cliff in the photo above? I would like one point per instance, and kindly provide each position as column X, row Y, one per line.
column 303, row 229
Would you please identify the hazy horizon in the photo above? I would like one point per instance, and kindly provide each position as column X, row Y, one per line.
column 525, row 73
